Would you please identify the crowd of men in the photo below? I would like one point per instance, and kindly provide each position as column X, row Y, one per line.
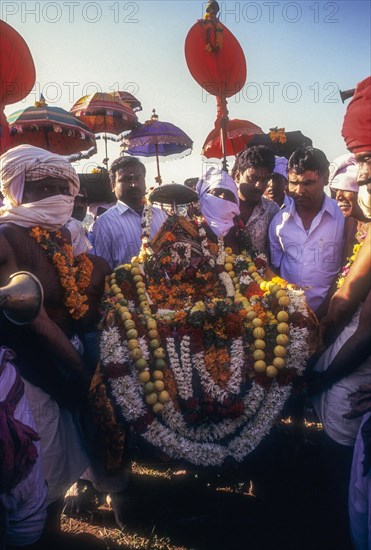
column 47, row 365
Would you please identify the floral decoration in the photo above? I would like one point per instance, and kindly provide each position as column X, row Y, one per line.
column 277, row 135
column 74, row 272
column 199, row 349
column 345, row 269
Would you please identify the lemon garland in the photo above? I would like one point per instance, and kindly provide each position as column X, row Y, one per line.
column 276, row 288
column 74, row 273
column 154, row 387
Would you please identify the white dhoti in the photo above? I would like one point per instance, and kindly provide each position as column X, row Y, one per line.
column 333, row 403
column 25, row 504
column 63, row 452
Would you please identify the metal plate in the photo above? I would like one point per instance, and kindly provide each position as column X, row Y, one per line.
column 173, row 193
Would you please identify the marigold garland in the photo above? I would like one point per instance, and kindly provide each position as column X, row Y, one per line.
column 345, row 270
column 74, row 273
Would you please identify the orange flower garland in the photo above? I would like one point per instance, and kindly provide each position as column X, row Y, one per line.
column 74, row 273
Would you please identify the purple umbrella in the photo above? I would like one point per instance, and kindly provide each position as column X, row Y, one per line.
column 157, row 139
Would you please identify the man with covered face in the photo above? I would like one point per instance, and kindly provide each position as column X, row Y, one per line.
column 39, row 189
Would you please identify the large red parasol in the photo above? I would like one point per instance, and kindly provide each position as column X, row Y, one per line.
column 156, row 138
column 50, row 128
column 17, row 75
column 216, row 61
column 105, row 113
column 239, row 134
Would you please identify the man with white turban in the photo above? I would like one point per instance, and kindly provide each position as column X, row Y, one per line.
column 39, row 189
column 343, row 182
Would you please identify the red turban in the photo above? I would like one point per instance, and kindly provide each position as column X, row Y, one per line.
column 357, row 121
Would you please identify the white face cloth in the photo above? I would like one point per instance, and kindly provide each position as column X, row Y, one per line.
column 50, row 213
column 218, row 213
column 364, row 201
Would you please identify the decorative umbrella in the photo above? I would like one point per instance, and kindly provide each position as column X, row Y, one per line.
column 105, row 113
column 282, row 143
column 157, row 139
column 216, row 61
column 17, row 75
column 239, row 133
column 50, row 128
column 131, row 101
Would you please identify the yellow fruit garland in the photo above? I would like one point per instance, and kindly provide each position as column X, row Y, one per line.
column 275, row 287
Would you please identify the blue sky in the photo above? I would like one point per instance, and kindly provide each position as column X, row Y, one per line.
column 299, row 54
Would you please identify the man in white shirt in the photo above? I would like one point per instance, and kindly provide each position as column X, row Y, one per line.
column 306, row 240
column 251, row 172
column 117, row 233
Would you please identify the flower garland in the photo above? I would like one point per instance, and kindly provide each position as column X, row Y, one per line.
column 204, row 374
column 345, row 270
column 74, row 273
column 277, row 135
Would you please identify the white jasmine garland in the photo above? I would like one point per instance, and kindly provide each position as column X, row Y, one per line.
column 228, row 284
column 297, row 301
column 128, row 395
column 297, row 350
column 245, row 278
column 221, row 252
column 144, row 347
column 234, row 383
column 182, row 373
column 111, row 348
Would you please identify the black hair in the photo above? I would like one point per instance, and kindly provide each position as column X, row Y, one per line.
column 257, row 156
column 122, row 162
column 308, row 158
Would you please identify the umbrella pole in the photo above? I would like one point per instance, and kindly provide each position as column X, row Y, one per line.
column 158, row 179
column 222, row 115
column 105, row 161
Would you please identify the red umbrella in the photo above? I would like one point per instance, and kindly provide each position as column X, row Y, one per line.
column 105, row 113
column 50, row 128
column 17, row 74
column 239, row 133
column 216, row 61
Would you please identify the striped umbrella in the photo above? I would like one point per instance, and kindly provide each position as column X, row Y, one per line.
column 157, row 139
column 131, row 101
column 238, row 135
column 105, row 113
column 50, row 128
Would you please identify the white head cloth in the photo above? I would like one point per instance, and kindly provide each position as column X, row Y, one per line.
column 343, row 173
column 218, row 213
column 280, row 166
column 28, row 163
column 364, row 200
